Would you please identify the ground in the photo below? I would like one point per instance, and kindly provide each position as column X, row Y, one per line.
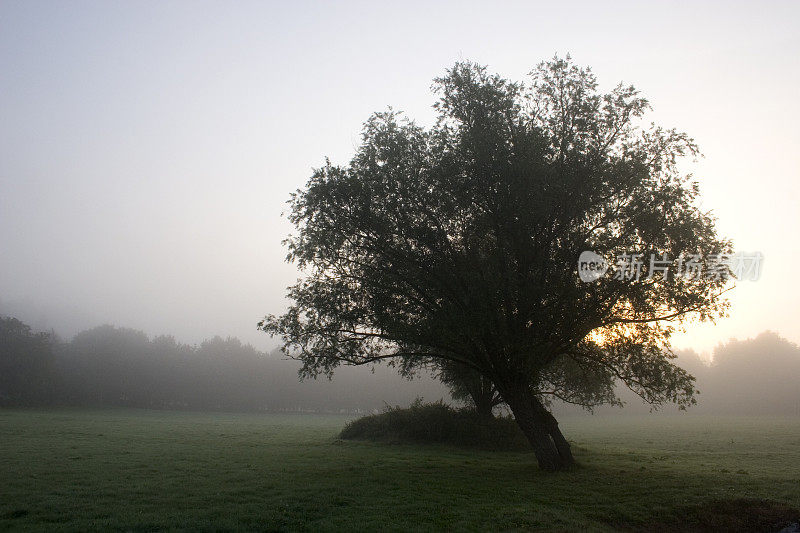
column 148, row 470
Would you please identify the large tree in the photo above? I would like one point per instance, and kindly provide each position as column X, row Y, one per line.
column 460, row 243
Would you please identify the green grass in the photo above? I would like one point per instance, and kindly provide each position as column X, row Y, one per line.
column 139, row 470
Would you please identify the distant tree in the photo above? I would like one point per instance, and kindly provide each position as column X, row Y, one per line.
column 460, row 243
column 754, row 376
column 26, row 360
column 107, row 365
column 110, row 366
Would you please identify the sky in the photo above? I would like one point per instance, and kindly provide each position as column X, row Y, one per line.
column 147, row 149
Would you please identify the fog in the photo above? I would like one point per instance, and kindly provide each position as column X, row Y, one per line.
column 180, row 178
column 755, row 376
column 147, row 150
column 108, row 366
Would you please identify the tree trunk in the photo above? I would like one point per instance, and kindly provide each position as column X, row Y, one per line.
column 484, row 410
column 483, row 399
column 541, row 428
column 563, row 447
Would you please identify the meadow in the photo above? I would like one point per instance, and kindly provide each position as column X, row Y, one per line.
column 70, row 470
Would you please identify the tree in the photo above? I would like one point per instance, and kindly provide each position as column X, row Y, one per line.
column 26, row 360
column 459, row 243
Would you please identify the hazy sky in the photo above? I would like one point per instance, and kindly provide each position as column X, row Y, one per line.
column 147, row 148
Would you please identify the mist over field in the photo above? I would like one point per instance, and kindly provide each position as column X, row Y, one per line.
column 756, row 376
column 147, row 151
column 359, row 266
column 121, row 367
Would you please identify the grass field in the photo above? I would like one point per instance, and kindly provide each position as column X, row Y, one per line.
column 139, row 470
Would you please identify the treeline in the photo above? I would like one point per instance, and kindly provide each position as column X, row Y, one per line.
column 111, row 366
column 758, row 376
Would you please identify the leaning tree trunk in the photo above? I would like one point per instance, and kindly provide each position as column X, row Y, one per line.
column 540, row 427
column 560, row 442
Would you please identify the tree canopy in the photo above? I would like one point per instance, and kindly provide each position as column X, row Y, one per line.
column 459, row 243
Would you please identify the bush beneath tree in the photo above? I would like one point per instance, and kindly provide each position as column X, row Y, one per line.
column 438, row 423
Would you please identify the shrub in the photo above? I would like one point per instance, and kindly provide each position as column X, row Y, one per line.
column 437, row 423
